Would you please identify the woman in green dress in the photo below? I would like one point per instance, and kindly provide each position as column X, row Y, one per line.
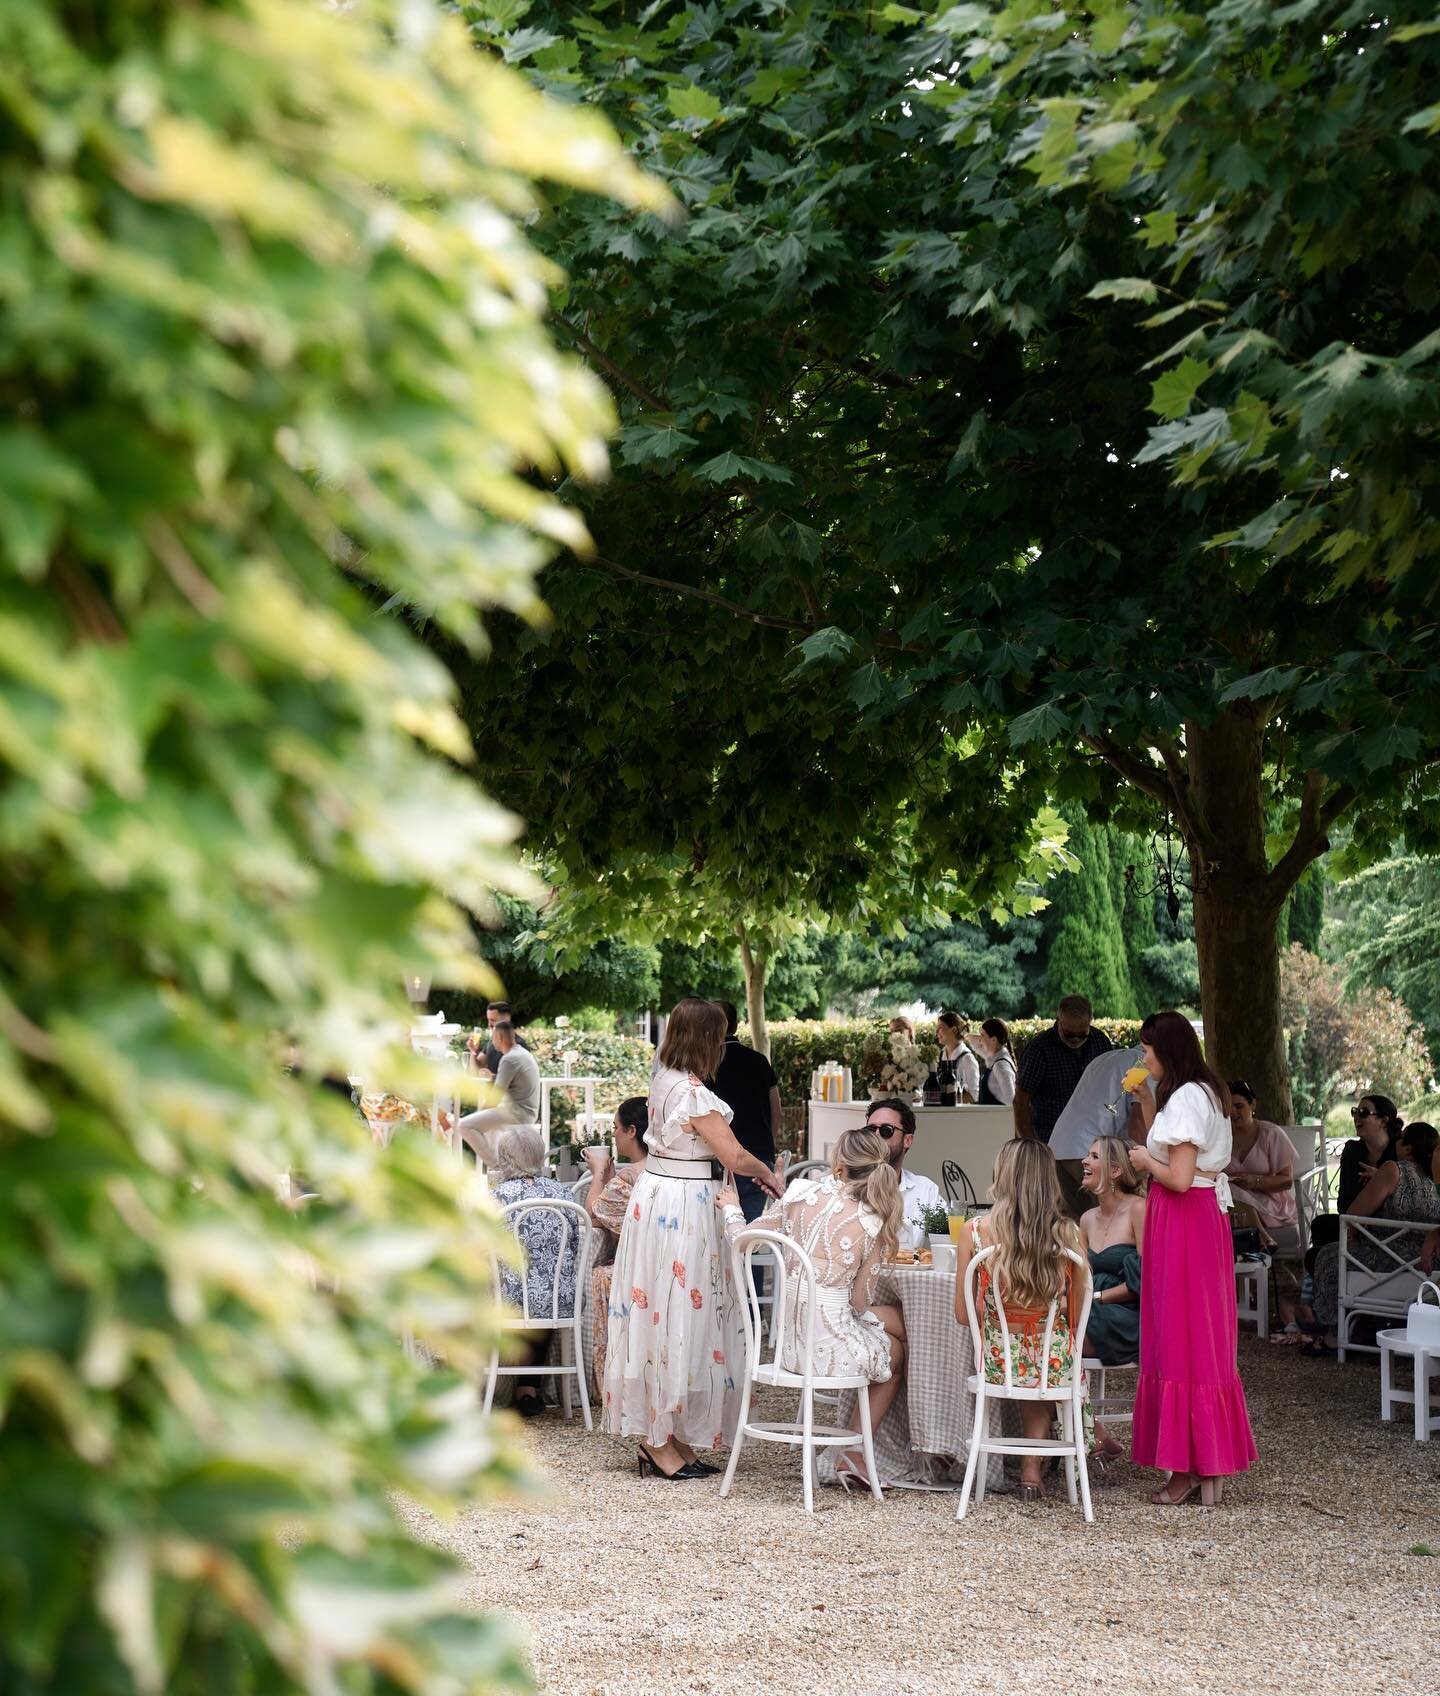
column 1114, row 1229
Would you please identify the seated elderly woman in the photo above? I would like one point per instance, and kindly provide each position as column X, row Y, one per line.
column 847, row 1223
column 549, row 1240
column 1402, row 1188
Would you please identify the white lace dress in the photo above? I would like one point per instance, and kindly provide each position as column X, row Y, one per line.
column 839, row 1234
column 675, row 1342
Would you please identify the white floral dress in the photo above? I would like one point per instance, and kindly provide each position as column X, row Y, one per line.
column 675, row 1338
column 839, row 1233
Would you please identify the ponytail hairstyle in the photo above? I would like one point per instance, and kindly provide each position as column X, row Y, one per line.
column 870, row 1179
column 1118, row 1173
column 1029, row 1225
column 951, row 1022
column 1000, row 1032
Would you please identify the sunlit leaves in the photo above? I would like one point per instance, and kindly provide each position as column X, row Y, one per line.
column 271, row 337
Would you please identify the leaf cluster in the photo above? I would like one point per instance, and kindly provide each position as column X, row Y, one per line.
column 270, row 349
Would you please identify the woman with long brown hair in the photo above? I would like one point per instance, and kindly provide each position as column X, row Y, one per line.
column 1031, row 1233
column 1190, row 1413
column 675, row 1340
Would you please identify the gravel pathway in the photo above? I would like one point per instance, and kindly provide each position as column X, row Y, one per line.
column 1302, row 1583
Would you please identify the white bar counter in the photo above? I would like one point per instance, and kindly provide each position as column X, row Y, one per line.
column 970, row 1135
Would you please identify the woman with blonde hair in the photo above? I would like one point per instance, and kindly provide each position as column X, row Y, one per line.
column 848, row 1223
column 1030, row 1231
column 674, row 1334
column 1113, row 1230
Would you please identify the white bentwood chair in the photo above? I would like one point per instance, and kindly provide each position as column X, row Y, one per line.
column 795, row 1294
column 576, row 1224
column 1067, row 1397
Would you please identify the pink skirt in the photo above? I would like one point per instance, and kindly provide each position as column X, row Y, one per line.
column 1190, row 1413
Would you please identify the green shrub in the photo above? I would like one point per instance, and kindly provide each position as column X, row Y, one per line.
column 272, row 352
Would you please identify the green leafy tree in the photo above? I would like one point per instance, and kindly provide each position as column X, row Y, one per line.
column 1015, row 399
column 1343, row 1043
column 270, row 346
column 1084, row 942
column 1384, row 931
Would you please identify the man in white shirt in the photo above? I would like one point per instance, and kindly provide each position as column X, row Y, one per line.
column 894, row 1122
column 518, row 1075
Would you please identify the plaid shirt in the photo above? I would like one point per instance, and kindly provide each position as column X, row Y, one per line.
column 1049, row 1072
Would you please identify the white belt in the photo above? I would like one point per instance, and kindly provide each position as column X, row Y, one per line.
column 664, row 1167
column 1218, row 1182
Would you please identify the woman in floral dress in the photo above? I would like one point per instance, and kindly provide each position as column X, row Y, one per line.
column 607, row 1202
column 675, row 1335
column 1030, row 1229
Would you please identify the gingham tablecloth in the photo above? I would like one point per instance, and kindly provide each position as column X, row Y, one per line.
column 925, row 1437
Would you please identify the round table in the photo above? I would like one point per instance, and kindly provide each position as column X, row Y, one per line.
column 924, row 1440
column 1426, row 1356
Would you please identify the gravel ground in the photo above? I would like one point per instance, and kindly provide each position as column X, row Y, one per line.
column 1302, row 1581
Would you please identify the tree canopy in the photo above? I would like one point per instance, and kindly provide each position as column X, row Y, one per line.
column 269, row 334
column 1061, row 375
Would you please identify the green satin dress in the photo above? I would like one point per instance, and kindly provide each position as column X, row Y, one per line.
column 1112, row 1333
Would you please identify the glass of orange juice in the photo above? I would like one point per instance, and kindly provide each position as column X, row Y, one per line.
column 957, row 1225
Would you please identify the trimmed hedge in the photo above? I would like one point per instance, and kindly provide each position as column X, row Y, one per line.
column 798, row 1046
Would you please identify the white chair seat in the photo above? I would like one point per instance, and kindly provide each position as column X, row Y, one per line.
column 1114, row 1410
column 802, row 1433
column 1064, row 1397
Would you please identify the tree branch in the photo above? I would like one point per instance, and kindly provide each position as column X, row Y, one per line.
column 1146, row 777
column 770, row 621
column 1317, row 813
column 656, row 402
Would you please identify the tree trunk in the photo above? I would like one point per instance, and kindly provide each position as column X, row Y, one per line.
column 1237, row 903
column 756, row 965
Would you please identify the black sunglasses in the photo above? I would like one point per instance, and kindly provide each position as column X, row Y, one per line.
column 885, row 1131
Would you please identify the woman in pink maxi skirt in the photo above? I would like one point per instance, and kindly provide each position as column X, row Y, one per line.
column 1190, row 1413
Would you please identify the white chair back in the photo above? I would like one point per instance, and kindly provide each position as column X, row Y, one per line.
column 1308, row 1141
column 793, row 1319
column 803, row 1169
column 1008, row 1384
column 580, row 1189
column 575, row 1222
column 785, row 1306
column 1384, row 1291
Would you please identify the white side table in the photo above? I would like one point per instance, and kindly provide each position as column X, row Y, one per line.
column 1426, row 1359
column 1253, row 1276
column 549, row 1084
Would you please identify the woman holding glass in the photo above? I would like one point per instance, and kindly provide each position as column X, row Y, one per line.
column 1190, row 1412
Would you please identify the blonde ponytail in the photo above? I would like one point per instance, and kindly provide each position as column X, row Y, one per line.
column 870, row 1179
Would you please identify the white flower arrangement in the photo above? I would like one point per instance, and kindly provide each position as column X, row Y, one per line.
column 894, row 1066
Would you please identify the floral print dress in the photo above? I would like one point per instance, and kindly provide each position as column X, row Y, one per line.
column 608, row 1212
column 675, row 1336
column 1026, row 1330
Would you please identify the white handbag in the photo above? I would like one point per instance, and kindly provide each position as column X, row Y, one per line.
column 1423, row 1325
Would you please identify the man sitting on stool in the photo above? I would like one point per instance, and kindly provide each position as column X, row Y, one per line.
column 518, row 1076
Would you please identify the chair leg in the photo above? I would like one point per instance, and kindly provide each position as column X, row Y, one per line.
column 729, row 1477
column 976, row 1440
column 807, row 1449
column 1066, row 1413
column 1387, row 1407
column 1420, row 1380
column 490, row 1378
column 867, row 1443
column 1078, row 1424
column 581, row 1375
column 561, row 1339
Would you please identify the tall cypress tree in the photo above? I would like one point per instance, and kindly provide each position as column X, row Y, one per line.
column 1085, row 943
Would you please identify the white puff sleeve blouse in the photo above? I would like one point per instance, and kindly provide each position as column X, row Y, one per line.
column 1193, row 1115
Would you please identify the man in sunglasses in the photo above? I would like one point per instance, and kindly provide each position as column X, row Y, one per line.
column 894, row 1123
